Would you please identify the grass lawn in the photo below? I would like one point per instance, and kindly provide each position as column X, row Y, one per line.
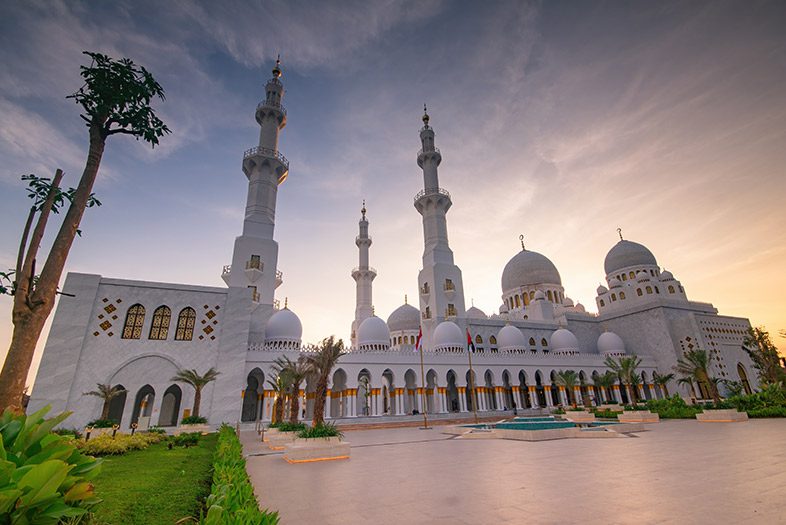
column 155, row 485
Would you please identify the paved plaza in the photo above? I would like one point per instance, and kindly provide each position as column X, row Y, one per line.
column 679, row 472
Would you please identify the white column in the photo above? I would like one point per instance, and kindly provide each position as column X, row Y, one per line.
column 502, row 399
column 328, row 403
column 533, row 397
column 549, row 399
column 462, row 401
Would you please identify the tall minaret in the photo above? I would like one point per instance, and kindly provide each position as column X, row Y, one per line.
column 363, row 275
column 440, row 283
column 255, row 257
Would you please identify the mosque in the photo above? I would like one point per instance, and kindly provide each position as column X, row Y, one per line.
column 137, row 334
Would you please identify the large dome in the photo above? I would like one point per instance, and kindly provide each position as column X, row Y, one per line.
column 373, row 331
column 284, row 325
column 563, row 340
column 448, row 335
column 610, row 343
column 476, row 313
column 528, row 268
column 628, row 253
column 510, row 337
column 405, row 317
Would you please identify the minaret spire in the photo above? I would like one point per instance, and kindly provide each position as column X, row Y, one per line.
column 440, row 281
column 255, row 257
column 363, row 275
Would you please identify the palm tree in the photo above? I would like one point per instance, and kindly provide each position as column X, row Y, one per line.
column 197, row 381
column 567, row 379
column 625, row 368
column 662, row 380
column 694, row 364
column 687, row 380
column 295, row 373
column 107, row 393
column 320, row 366
column 607, row 382
column 280, row 386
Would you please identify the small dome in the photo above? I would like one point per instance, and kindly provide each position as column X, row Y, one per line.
column 666, row 276
column 510, row 337
column 540, row 296
column 528, row 268
column 563, row 340
column 405, row 317
column 610, row 343
column 285, row 326
column 476, row 313
column 373, row 331
column 614, row 283
column 602, row 289
column 580, row 307
column 503, row 308
column 568, row 301
column 643, row 276
column 448, row 335
column 625, row 254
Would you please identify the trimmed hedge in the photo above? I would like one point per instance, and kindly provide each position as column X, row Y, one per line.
column 193, row 420
column 320, row 431
column 673, row 407
column 232, row 497
column 106, row 445
column 290, row 427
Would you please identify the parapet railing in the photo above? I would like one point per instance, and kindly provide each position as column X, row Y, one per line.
column 431, row 191
column 366, row 269
column 266, row 152
column 271, row 104
column 435, row 150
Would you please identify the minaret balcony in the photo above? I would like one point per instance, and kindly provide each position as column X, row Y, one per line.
column 260, row 156
column 279, row 278
column 362, row 241
column 361, row 271
column 438, row 196
column 226, row 272
column 270, row 104
column 424, row 155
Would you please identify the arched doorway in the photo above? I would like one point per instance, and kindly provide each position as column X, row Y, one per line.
column 645, row 385
column 255, row 385
column 584, row 388
column 117, row 405
column 410, row 395
column 508, row 402
column 433, row 399
column 143, row 406
column 338, row 406
column 471, row 389
column 363, row 400
column 452, row 392
column 170, row 407
column 744, row 378
column 490, row 394
column 540, row 391
column 388, row 392
column 555, row 399
column 525, row 401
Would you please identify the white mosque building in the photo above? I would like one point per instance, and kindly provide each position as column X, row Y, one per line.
column 137, row 334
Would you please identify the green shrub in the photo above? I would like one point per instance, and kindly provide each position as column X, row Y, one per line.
column 770, row 397
column 106, row 445
column 231, row 497
column 636, row 407
column 291, row 427
column 274, row 424
column 557, row 411
column 673, row 407
column 576, row 409
column 610, row 414
column 44, row 479
column 187, row 439
column 102, row 423
column 193, row 420
column 767, row 412
column 156, row 430
column 320, row 431
column 72, row 432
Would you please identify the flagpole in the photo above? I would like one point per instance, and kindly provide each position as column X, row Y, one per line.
column 423, row 390
column 472, row 380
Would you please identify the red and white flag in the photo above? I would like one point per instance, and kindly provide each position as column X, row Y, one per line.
column 419, row 341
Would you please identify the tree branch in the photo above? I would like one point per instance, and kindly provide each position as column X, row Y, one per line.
column 22, row 246
column 25, row 278
column 120, row 130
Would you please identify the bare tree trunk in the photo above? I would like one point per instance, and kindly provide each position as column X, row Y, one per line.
column 30, row 311
column 319, row 402
column 197, row 401
column 294, row 406
column 105, row 410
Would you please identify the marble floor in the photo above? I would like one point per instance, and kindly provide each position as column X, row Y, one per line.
column 679, row 472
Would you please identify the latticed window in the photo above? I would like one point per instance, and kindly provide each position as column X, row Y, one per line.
column 135, row 318
column 492, row 340
column 185, row 324
column 160, row 327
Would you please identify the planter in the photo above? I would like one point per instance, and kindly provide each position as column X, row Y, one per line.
column 307, row 450
column 730, row 415
column 638, row 416
column 276, row 440
column 184, row 429
column 580, row 417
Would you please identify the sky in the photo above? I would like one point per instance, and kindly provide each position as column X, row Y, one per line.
column 561, row 121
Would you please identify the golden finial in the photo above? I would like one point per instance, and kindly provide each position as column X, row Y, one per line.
column 372, row 310
column 425, row 115
column 277, row 69
column 619, row 232
column 473, row 302
column 286, row 302
column 521, row 238
column 363, row 209
column 405, row 299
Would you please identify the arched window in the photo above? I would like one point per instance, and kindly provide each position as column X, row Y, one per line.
column 478, row 339
column 613, row 297
column 135, row 318
column 639, row 292
column 656, row 290
column 543, row 342
column 682, row 290
column 671, row 288
column 532, row 295
column 160, row 327
column 622, row 295
column 632, row 275
column 532, row 341
column 526, row 299
column 518, row 302
column 624, row 277
column 492, row 340
column 649, row 289
column 399, row 339
column 551, row 297
column 412, row 340
column 602, row 302
column 185, row 324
